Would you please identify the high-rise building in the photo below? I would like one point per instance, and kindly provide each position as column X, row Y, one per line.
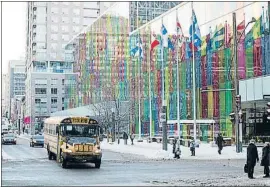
column 15, row 82
column 4, row 94
column 50, row 25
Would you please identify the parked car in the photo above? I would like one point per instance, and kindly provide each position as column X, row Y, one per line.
column 9, row 138
column 37, row 140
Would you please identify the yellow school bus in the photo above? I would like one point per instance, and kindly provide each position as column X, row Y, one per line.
column 72, row 139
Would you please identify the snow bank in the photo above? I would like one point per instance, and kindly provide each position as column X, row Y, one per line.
column 154, row 151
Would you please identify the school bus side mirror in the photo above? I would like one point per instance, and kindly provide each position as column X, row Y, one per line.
column 57, row 130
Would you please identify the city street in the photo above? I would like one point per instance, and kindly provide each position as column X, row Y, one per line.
column 26, row 166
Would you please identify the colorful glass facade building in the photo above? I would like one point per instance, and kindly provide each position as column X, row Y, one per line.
column 109, row 57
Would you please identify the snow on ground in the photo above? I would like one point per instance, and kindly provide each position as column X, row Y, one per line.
column 6, row 156
column 154, row 151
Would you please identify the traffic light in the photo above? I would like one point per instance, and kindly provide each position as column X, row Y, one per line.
column 232, row 117
column 268, row 111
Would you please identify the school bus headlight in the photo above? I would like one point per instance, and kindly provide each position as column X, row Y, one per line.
column 68, row 151
column 97, row 151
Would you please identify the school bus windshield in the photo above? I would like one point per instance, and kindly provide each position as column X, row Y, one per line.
column 72, row 130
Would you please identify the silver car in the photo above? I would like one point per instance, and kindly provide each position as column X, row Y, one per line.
column 9, row 138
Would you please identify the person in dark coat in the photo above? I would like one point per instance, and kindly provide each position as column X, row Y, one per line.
column 174, row 146
column 252, row 156
column 266, row 159
column 219, row 143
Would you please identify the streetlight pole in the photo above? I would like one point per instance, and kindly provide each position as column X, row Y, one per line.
column 237, row 107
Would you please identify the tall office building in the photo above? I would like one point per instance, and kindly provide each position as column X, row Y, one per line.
column 4, row 94
column 15, row 83
column 50, row 25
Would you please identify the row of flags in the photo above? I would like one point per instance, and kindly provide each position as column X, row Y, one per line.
column 222, row 37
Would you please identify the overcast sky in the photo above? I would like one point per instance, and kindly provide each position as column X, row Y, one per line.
column 13, row 32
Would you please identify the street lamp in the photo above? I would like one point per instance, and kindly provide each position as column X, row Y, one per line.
column 237, row 106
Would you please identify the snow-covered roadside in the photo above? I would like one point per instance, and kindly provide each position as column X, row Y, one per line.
column 154, row 151
column 24, row 136
column 5, row 156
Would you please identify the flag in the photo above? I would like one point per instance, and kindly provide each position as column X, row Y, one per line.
column 240, row 30
column 180, row 34
column 256, row 29
column 155, row 43
column 194, row 27
column 138, row 51
column 166, row 41
column 164, row 34
column 219, row 37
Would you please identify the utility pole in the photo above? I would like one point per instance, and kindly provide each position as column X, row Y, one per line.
column 236, row 86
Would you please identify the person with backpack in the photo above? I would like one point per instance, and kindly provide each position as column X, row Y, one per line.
column 192, row 147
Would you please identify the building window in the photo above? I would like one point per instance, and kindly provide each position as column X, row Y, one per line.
column 53, row 90
column 41, row 82
column 64, row 28
column 76, row 29
column 54, row 37
column 53, row 100
column 63, row 108
column 76, row 11
column 65, row 37
column 54, row 28
column 65, row 19
column 55, row 19
column 53, row 81
column 63, row 99
column 63, row 81
column 64, row 10
column 54, row 10
column 76, row 20
column 37, row 101
column 41, row 90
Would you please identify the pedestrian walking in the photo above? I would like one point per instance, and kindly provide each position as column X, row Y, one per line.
column 252, row 156
column 219, row 143
column 192, row 147
column 125, row 137
column 177, row 152
column 132, row 136
column 174, row 147
column 265, row 162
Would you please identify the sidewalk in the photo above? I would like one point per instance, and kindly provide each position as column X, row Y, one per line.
column 24, row 136
column 154, row 151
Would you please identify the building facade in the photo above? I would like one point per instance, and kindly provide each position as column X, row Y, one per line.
column 138, row 76
column 15, row 83
column 50, row 25
column 4, row 94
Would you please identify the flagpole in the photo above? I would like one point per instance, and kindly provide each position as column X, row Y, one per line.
column 149, row 82
column 193, row 78
column 164, row 108
column 139, row 64
column 177, row 79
